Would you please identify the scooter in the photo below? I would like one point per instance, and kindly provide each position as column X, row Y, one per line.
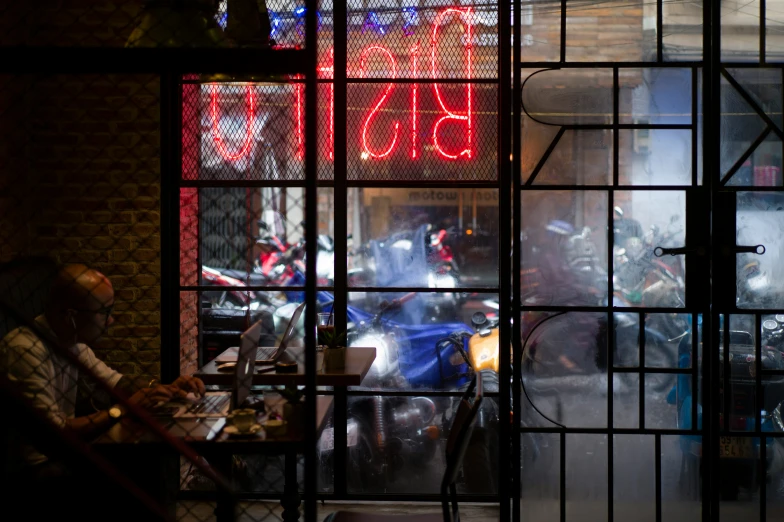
column 389, row 434
column 739, row 456
column 418, row 258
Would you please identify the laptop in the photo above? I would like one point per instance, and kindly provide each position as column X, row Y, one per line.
column 266, row 355
column 218, row 404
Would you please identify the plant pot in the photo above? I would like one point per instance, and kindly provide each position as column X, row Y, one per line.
column 334, row 359
column 294, row 414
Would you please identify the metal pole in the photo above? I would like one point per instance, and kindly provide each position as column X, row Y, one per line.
column 311, row 233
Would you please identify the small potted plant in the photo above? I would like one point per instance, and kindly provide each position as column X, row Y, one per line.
column 334, row 350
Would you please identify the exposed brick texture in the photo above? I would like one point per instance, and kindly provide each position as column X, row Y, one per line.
column 79, row 170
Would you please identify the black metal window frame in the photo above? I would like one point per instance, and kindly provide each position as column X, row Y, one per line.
column 711, row 194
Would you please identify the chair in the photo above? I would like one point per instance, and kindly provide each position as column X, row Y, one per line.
column 456, row 445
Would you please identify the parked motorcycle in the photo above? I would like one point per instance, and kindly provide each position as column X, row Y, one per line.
column 387, row 434
column 739, row 455
column 420, row 258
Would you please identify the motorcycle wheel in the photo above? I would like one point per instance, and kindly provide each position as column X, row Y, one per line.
column 365, row 473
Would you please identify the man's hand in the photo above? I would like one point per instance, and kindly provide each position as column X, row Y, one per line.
column 185, row 384
column 149, row 397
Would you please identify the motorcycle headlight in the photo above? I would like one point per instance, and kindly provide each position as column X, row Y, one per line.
column 386, row 353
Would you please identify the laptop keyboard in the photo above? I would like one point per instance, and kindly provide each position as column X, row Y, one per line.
column 265, row 353
column 209, row 404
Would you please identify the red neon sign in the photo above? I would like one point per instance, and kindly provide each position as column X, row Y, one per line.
column 448, row 114
column 363, row 61
column 414, row 72
column 216, row 131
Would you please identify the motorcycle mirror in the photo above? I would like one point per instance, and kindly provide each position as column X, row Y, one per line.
column 478, row 320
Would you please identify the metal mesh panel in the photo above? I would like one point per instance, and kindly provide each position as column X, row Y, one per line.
column 439, row 140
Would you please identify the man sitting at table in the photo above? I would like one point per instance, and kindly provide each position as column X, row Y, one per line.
column 78, row 312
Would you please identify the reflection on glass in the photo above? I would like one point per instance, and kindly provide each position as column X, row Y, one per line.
column 425, row 238
column 585, row 33
column 655, row 157
column 541, row 24
column 642, row 222
column 586, row 477
column 626, row 400
column 740, row 26
column 655, row 95
column 417, row 348
column 581, row 157
column 680, row 477
column 565, row 367
column 660, row 411
column 394, row 445
column 682, row 38
column 760, row 278
column 666, row 339
column 634, row 479
column 564, row 247
column 739, row 127
column 540, row 482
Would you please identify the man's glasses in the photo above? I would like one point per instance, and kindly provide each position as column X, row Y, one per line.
column 106, row 311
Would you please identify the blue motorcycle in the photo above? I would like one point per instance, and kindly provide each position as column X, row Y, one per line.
column 387, row 434
column 739, row 455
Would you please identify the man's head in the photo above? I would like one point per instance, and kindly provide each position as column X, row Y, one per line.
column 80, row 304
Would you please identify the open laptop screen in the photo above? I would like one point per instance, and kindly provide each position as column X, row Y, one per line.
column 246, row 363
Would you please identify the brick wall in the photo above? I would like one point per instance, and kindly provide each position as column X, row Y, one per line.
column 80, row 174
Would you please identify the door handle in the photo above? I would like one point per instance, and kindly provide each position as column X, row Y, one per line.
column 749, row 249
column 661, row 251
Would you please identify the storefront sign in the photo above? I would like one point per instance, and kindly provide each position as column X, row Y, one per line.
column 433, row 197
column 380, row 140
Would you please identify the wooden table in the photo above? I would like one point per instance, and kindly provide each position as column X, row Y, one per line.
column 152, row 462
column 358, row 363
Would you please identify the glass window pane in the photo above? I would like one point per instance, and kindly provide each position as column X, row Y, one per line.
column 590, row 28
column 238, row 131
column 540, row 481
column 680, row 477
column 564, row 247
column 644, row 221
column 586, row 477
column 541, row 31
column 423, row 237
column 666, row 340
column 682, row 30
column 759, row 277
column 581, row 157
column 418, row 340
column 652, row 95
column 655, row 157
column 565, row 366
column 740, row 26
column 411, row 36
column 568, row 96
column 634, row 479
column 422, row 132
column 740, row 126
